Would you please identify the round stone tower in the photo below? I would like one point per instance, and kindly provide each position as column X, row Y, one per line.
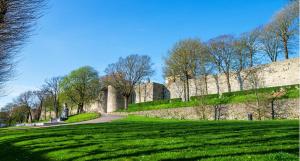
column 112, row 97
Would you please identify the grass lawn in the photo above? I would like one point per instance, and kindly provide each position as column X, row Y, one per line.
column 292, row 91
column 82, row 117
column 140, row 138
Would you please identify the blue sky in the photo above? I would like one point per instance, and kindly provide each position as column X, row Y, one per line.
column 74, row 33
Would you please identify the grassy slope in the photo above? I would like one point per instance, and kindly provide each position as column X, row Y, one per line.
column 82, row 117
column 228, row 98
column 139, row 138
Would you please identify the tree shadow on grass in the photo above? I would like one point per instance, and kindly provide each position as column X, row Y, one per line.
column 193, row 135
column 9, row 152
column 291, row 151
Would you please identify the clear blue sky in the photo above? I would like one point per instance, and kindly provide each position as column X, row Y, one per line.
column 75, row 33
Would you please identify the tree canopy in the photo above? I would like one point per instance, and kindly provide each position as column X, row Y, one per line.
column 81, row 86
column 127, row 72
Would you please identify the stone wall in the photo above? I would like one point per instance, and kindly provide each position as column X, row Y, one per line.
column 285, row 109
column 274, row 74
column 271, row 75
column 111, row 99
column 149, row 92
column 143, row 92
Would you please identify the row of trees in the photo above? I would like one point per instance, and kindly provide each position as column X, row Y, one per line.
column 29, row 105
column 79, row 88
column 227, row 54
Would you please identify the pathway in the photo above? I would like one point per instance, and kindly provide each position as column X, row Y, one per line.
column 103, row 119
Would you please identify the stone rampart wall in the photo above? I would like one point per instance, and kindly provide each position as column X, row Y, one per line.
column 274, row 74
column 284, row 109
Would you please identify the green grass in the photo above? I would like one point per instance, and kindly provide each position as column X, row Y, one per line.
column 82, row 117
column 139, row 138
column 213, row 99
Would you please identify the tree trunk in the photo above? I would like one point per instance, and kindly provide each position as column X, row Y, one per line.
column 79, row 108
column 40, row 111
column 217, row 84
column 196, row 88
column 187, row 89
column 219, row 112
column 240, row 80
column 205, row 83
column 45, row 111
column 259, row 114
column 126, row 98
column 272, row 108
column 216, row 112
column 29, row 115
column 228, row 82
column 56, row 111
column 257, row 103
column 55, row 105
column 286, row 52
column 251, row 57
column 184, row 90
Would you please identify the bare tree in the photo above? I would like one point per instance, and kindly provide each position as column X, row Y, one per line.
column 254, row 82
column 41, row 96
column 251, row 43
column 221, row 50
column 127, row 72
column 183, row 62
column 205, row 67
column 264, row 101
column 273, row 97
column 52, row 88
column 286, row 23
column 240, row 60
column 17, row 18
column 270, row 42
column 48, row 105
column 25, row 100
